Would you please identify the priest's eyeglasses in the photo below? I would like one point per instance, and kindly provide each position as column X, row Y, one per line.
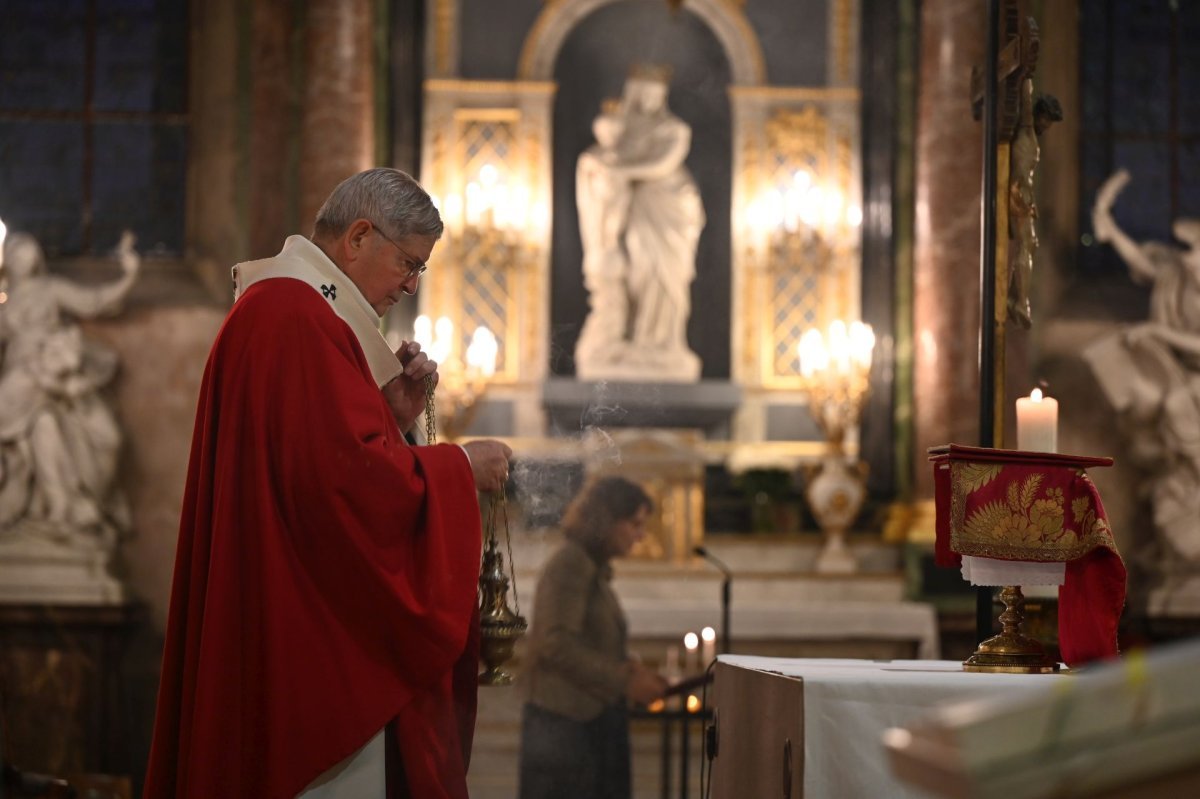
column 415, row 268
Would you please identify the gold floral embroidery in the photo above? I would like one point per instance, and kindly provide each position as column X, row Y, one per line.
column 975, row 476
column 1023, row 519
column 1029, row 523
column 1085, row 518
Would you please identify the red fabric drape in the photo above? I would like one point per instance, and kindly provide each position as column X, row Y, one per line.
column 1032, row 506
column 325, row 576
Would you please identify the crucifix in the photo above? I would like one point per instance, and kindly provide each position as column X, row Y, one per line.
column 1002, row 96
column 1015, row 46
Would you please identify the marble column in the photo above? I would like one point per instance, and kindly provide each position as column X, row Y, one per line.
column 217, row 155
column 337, row 137
column 277, row 69
column 947, row 233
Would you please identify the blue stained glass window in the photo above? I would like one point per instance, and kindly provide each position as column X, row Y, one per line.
column 140, row 57
column 1189, row 65
column 137, row 184
column 93, row 102
column 1140, row 96
column 42, row 54
column 40, row 191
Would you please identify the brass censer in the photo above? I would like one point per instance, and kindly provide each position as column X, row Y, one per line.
column 499, row 627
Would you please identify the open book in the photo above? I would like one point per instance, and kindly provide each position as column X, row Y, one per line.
column 1111, row 726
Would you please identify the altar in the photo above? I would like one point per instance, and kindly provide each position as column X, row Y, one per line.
column 815, row 726
column 1124, row 729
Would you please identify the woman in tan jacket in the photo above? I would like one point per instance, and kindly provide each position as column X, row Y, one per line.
column 575, row 727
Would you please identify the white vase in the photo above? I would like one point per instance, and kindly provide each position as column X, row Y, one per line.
column 835, row 496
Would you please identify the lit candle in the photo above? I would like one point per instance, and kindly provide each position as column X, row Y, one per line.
column 423, row 332
column 691, row 643
column 708, row 646
column 1037, row 423
column 475, row 204
column 443, row 340
column 814, row 357
column 452, row 215
column 482, row 351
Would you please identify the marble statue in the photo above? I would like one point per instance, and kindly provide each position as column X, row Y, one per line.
column 60, row 512
column 1151, row 373
column 640, row 217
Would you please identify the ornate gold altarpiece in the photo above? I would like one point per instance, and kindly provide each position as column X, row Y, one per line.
column 784, row 280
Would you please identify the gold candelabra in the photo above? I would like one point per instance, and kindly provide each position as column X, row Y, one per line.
column 834, row 371
column 463, row 382
column 493, row 230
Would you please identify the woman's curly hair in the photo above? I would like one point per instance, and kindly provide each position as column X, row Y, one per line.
column 598, row 507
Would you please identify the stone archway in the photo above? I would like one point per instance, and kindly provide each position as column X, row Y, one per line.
column 728, row 23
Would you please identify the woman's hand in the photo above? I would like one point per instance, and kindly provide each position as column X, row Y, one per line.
column 643, row 685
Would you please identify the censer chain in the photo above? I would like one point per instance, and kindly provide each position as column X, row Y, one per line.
column 497, row 498
column 430, row 418
column 512, row 570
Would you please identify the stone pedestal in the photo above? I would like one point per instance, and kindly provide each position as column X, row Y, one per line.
column 64, row 711
column 708, row 405
column 35, row 570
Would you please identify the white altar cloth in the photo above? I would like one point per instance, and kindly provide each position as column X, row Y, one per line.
column 849, row 703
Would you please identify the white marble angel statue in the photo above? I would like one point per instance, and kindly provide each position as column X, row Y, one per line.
column 59, row 440
column 1151, row 371
column 640, row 218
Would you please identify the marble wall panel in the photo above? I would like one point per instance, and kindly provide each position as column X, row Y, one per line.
column 947, row 233
column 162, row 351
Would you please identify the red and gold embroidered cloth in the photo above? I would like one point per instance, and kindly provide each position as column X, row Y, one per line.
column 1036, row 506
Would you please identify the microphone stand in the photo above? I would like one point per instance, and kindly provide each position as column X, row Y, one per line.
column 726, row 636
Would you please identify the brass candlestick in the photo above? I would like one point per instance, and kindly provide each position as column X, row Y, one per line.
column 499, row 627
column 1011, row 652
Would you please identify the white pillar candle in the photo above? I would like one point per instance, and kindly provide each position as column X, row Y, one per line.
column 691, row 643
column 708, row 646
column 1037, row 423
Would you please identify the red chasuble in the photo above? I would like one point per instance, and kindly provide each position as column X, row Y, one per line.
column 325, row 578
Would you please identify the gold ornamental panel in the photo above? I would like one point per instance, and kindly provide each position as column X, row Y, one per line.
column 805, row 264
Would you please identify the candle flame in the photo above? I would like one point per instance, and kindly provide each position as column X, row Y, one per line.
column 693, row 704
column 1036, row 395
column 708, row 634
column 690, row 641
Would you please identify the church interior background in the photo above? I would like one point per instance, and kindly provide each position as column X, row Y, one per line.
column 838, row 165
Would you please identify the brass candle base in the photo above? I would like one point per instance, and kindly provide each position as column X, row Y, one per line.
column 1010, row 652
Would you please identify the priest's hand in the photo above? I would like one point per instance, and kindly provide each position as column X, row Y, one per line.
column 489, row 463
column 405, row 394
column 643, row 685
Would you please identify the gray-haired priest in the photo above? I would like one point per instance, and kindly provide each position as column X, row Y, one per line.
column 322, row 636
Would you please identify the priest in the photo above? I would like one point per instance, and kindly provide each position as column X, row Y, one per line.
column 323, row 632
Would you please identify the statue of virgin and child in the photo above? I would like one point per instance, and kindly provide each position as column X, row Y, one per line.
column 640, row 217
